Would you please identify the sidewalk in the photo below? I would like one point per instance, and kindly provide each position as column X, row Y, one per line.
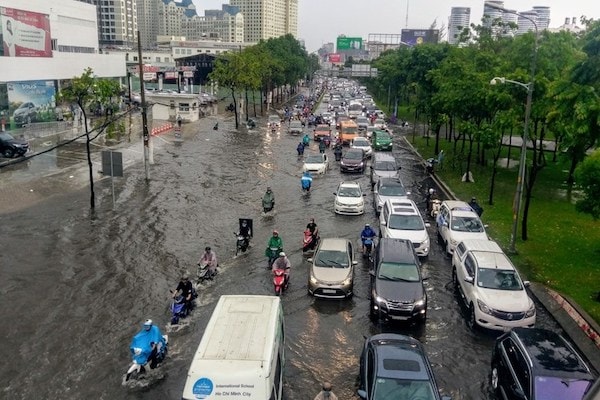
column 583, row 331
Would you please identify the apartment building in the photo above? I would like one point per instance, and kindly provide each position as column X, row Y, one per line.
column 264, row 19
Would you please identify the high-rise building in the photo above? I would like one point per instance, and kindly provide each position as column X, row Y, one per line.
column 117, row 22
column 543, row 17
column 264, row 19
column 539, row 14
column 525, row 23
column 226, row 25
column 162, row 18
column 460, row 18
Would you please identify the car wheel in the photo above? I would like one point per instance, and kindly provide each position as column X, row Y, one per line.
column 454, row 277
column 494, row 379
column 471, row 318
column 448, row 252
column 8, row 153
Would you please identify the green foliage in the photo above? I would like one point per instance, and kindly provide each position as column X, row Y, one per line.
column 588, row 178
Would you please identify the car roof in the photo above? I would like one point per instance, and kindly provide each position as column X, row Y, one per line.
column 349, row 184
column 402, row 206
column 482, row 245
column 397, row 250
column 400, row 356
column 549, row 353
column 335, row 244
column 460, row 208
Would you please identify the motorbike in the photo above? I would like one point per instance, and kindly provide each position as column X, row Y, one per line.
column 179, row 309
column 204, row 274
column 268, row 206
column 273, row 254
column 434, row 207
column 250, row 124
column 216, row 127
column 242, row 244
column 309, row 243
column 300, row 149
column 368, row 243
column 141, row 350
column 429, row 165
column 280, row 281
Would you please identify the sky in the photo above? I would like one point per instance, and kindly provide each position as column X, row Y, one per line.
column 322, row 21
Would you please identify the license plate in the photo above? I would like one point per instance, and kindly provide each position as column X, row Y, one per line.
column 329, row 291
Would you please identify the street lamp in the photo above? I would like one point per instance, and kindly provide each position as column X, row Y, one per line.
column 529, row 88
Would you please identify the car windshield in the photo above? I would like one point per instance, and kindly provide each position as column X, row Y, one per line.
column 349, row 191
column 466, row 224
column 353, row 155
column 314, row 160
column 332, row 258
column 389, row 388
column 501, row 279
column 274, row 118
column 398, row 272
column 406, row 222
column 6, row 136
column 385, row 166
column 361, row 142
column 383, row 136
column 295, row 124
column 557, row 388
column 392, row 190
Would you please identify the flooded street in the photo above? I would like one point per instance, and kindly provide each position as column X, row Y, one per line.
column 75, row 289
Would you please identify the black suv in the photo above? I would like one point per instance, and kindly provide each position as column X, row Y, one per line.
column 395, row 366
column 397, row 291
column 10, row 147
column 534, row 363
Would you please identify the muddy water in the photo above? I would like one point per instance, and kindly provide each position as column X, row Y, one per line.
column 74, row 289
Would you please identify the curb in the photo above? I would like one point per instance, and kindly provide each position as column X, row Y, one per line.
column 583, row 331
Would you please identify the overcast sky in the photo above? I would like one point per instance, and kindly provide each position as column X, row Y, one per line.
column 321, row 21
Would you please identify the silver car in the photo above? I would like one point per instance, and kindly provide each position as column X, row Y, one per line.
column 388, row 188
column 331, row 273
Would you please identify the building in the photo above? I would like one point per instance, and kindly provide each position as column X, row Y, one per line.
column 44, row 44
column 570, row 25
column 117, row 22
column 162, row 17
column 226, row 25
column 460, row 18
column 525, row 21
column 186, row 48
column 264, row 19
column 492, row 17
column 543, row 16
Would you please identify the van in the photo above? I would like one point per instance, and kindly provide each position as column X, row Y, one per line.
column 348, row 131
column 241, row 354
column 383, row 165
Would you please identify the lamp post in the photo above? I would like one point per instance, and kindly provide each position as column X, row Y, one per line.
column 523, row 160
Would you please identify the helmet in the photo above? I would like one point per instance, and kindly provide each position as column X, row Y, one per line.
column 367, row 225
column 244, row 223
column 148, row 322
column 327, row 386
column 282, row 254
column 268, row 188
column 275, row 232
column 207, row 248
column 185, row 276
column 431, row 190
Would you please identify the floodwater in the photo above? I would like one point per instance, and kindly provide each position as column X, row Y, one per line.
column 75, row 289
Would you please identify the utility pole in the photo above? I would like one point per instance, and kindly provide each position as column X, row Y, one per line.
column 145, row 132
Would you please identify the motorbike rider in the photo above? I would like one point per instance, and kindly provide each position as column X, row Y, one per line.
column 337, row 151
column 475, row 206
column 431, row 195
column 322, row 146
column 300, row 148
column 209, row 258
column 326, row 393
column 306, row 139
column 306, row 181
column 314, row 230
column 185, row 289
column 367, row 233
column 245, row 230
column 268, row 200
column 275, row 242
column 155, row 338
column 282, row 262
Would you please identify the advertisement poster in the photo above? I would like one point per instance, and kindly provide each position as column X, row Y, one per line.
column 335, row 58
column 31, row 101
column 419, row 36
column 349, row 43
column 25, row 33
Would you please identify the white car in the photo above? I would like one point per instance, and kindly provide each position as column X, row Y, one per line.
column 380, row 124
column 274, row 121
column 362, row 143
column 316, row 164
column 457, row 221
column 370, row 130
column 491, row 287
column 349, row 199
column 401, row 219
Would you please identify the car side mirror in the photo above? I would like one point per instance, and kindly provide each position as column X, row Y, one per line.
column 469, row 279
column 526, row 283
column 334, row 193
column 445, row 224
column 427, row 224
column 364, row 194
column 362, row 394
column 354, row 262
column 309, row 259
column 383, row 223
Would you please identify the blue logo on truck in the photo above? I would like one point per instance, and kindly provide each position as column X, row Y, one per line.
column 202, row 388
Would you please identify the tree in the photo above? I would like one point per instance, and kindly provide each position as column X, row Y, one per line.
column 86, row 91
column 588, row 178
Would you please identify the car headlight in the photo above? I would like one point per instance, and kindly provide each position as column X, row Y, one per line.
column 347, row 281
column 421, row 301
column 313, row 280
column 342, row 163
column 483, row 307
column 361, row 164
column 379, row 299
column 530, row 312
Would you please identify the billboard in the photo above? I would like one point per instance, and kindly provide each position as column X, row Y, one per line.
column 349, row 43
column 334, row 58
column 25, row 33
column 419, row 36
column 30, row 101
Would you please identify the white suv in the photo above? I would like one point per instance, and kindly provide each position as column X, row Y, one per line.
column 457, row 221
column 491, row 287
column 401, row 219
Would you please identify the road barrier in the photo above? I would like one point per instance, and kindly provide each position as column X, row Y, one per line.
column 161, row 129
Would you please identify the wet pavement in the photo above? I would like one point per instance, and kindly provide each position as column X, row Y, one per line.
column 75, row 288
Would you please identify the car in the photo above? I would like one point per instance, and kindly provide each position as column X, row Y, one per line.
column 370, row 130
column 401, row 219
column 535, row 363
column 381, row 140
column 457, row 221
column 11, row 147
column 353, row 160
column 331, row 272
column 25, row 114
column 491, row 287
column 383, row 165
column 388, row 188
column 321, row 131
column 327, row 117
column 295, row 128
column 274, row 121
column 363, row 123
column 316, row 164
column 397, row 290
column 362, row 143
column 349, row 199
column 394, row 366
column 380, row 124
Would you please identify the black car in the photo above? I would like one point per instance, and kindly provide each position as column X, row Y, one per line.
column 10, row 147
column 354, row 160
column 397, row 291
column 534, row 363
column 395, row 366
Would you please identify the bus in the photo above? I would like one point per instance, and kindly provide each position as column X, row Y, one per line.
column 241, row 354
column 348, row 131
